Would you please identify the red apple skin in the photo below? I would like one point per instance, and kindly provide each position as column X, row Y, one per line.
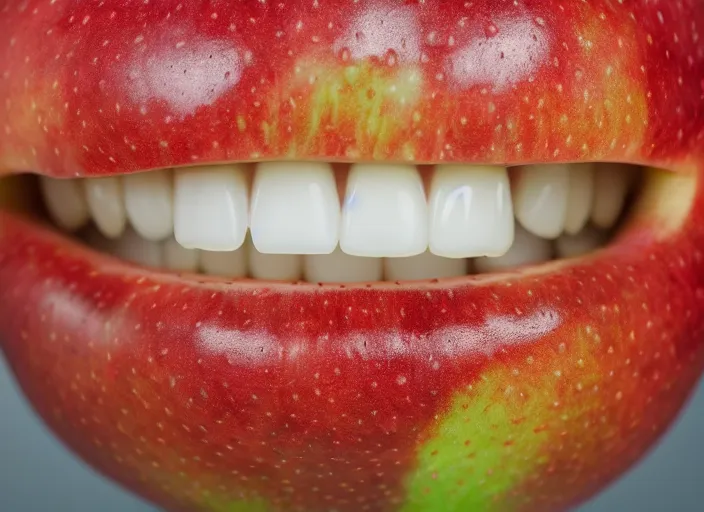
column 135, row 85
column 529, row 392
column 525, row 393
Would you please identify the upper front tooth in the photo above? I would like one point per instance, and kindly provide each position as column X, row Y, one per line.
column 149, row 203
column 65, row 201
column 610, row 188
column 470, row 211
column 579, row 197
column 295, row 208
column 211, row 207
column 107, row 205
column 385, row 211
column 540, row 199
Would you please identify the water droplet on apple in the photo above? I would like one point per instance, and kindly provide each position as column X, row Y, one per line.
column 344, row 54
column 490, row 30
column 391, row 58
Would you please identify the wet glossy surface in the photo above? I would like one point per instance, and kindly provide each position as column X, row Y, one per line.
column 547, row 375
column 249, row 397
column 145, row 86
column 667, row 478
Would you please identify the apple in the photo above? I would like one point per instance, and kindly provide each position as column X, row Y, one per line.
column 530, row 390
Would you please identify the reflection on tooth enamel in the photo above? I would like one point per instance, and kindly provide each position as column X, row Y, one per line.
column 339, row 267
column 527, row 249
column 385, row 212
column 584, row 242
column 149, row 203
column 540, row 198
column 107, row 205
column 579, row 197
column 274, row 267
column 66, row 202
column 424, row 266
column 211, row 207
column 132, row 247
column 611, row 186
column 224, row 264
column 475, row 218
column 295, row 208
column 176, row 257
column 470, row 211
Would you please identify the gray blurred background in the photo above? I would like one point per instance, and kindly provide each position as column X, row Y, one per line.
column 37, row 474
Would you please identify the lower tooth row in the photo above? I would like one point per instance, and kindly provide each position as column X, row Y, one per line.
column 339, row 267
column 527, row 249
column 467, row 211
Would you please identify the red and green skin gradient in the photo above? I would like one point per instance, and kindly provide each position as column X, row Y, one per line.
column 530, row 390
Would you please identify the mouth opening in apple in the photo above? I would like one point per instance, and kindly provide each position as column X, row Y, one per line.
column 350, row 223
column 496, row 303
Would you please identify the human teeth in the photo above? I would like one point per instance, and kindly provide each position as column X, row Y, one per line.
column 177, row 257
column 339, row 267
column 424, row 266
column 225, row 264
column 211, row 207
column 65, row 201
column 470, row 211
column 475, row 218
column 610, row 185
column 275, row 267
column 132, row 247
column 586, row 241
column 295, row 208
column 579, row 197
column 385, row 211
column 107, row 205
column 540, row 199
column 149, row 203
column 526, row 249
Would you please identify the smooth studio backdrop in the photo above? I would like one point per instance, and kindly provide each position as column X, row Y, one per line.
column 38, row 474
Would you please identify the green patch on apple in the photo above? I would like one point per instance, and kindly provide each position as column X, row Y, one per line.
column 363, row 94
column 493, row 436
